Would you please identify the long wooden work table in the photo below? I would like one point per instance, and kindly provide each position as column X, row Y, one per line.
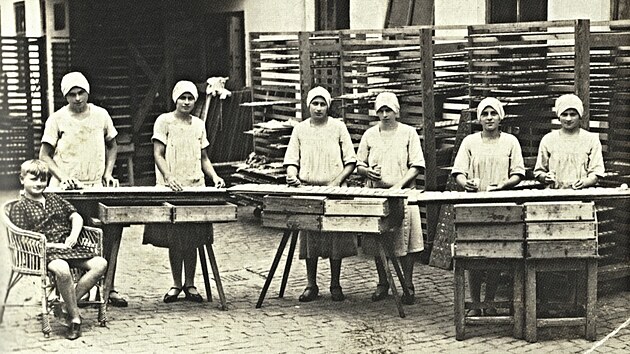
column 114, row 208
column 290, row 208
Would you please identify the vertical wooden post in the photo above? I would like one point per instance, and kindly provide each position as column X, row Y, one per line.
column 460, row 296
column 530, row 302
column 428, row 118
column 306, row 74
column 582, row 66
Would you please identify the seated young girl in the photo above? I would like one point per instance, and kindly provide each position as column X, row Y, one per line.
column 58, row 220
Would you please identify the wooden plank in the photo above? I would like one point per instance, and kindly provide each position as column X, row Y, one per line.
column 488, row 232
column 294, row 204
column 561, row 230
column 488, row 249
column 364, row 224
column 357, row 206
column 488, row 213
column 128, row 213
column 561, row 249
column 558, row 211
column 195, row 212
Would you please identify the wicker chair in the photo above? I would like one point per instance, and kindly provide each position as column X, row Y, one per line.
column 28, row 257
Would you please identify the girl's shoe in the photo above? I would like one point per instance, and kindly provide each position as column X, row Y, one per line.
column 74, row 331
column 381, row 292
column 168, row 298
column 194, row 297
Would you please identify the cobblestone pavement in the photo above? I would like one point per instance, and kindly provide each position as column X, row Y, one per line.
column 244, row 252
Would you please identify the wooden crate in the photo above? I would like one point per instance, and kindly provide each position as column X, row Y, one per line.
column 561, row 249
column 198, row 212
column 561, row 230
column 128, row 213
column 559, row 211
column 327, row 223
column 488, row 249
column 488, row 213
column 489, row 232
column 321, row 205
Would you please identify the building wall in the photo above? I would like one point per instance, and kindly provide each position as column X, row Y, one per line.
column 367, row 14
column 595, row 10
column 33, row 18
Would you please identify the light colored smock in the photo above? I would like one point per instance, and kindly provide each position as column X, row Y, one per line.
column 570, row 157
column 321, row 153
column 79, row 143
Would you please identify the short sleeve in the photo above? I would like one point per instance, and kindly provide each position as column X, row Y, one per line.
column 110, row 130
column 415, row 155
column 204, row 136
column 18, row 216
column 160, row 130
column 51, row 131
column 596, row 159
column 292, row 155
column 462, row 159
column 347, row 148
column 517, row 165
column 364, row 150
column 542, row 160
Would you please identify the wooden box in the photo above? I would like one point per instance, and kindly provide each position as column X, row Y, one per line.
column 320, row 205
column 199, row 212
column 128, row 213
column 561, row 249
column 488, row 249
column 489, row 213
column 559, row 211
column 489, row 232
column 561, row 230
column 328, row 223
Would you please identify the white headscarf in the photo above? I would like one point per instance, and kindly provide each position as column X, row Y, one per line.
column 182, row 87
column 490, row 102
column 74, row 79
column 387, row 99
column 318, row 92
column 569, row 101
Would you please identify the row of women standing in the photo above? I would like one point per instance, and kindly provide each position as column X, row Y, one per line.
column 320, row 152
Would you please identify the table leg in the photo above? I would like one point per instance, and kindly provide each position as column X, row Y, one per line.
column 204, row 271
column 287, row 266
column 274, row 265
column 390, row 278
column 217, row 278
column 591, row 299
column 530, row 302
column 460, row 293
column 399, row 273
column 113, row 232
column 517, row 300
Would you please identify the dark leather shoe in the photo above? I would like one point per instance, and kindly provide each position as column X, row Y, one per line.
column 411, row 298
column 168, row 298
column 337, row 294
column 74, row 331
column 190, row 296
column 309, row 294
column 380, row 293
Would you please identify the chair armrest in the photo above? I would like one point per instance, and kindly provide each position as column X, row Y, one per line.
column 92, row 238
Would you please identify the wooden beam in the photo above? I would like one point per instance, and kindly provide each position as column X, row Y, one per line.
column 147, row 101
column 141, row 62
column 582, row 84
column 306, row 74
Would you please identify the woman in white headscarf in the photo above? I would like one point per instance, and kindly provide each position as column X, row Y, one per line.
column 320, row 152
column 181, row 160
column 487, row 161
column 570, row 157
column 390, row 156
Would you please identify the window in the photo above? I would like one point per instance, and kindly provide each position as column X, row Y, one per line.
column 509, row 11
column 59, row 15
column 332, row 14
column 20, row 18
